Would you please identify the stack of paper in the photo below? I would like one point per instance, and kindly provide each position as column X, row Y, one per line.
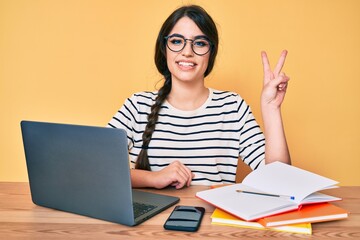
column 276, row 197
column 313, row 213
column 273, row 189
column 298, row 221
column 220, row 217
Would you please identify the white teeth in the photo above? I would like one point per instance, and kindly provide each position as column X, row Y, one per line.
column 186, row 64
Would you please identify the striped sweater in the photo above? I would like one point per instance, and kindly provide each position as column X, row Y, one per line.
column 208, row 140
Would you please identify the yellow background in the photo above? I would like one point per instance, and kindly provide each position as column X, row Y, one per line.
column 76, row 61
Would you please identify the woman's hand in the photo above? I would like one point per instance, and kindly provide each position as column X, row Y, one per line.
column 275, row 82
column 273, row 93
column 175, row 174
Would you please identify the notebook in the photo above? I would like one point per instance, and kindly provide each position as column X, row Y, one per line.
column 220, row 217
column 272, row 189
column 321, row 212
column 85, row 170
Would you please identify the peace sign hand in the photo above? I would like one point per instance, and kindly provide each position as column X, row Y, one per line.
column 275, row 82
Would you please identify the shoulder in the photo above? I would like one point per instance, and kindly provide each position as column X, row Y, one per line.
column 230, row 103
column 226, row 96
column 146, row 98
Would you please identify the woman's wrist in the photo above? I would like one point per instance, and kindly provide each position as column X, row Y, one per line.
column 142, row 178
column 268, row 106
column 271, row 114
column 276, row 146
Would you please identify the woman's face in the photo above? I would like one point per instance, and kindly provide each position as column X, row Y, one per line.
column 185, row 65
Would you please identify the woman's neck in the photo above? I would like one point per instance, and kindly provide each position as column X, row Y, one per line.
column 188, row 97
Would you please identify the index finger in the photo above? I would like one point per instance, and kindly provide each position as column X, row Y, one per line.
column 265, row 62
column 189, row 175
column 280, row 63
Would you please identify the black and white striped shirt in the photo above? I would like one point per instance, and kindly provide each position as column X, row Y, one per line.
column 208, row 140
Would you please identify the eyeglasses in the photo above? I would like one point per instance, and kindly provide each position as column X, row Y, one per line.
column 200, row 45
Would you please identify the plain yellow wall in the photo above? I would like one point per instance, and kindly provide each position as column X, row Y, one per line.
column 76, row 61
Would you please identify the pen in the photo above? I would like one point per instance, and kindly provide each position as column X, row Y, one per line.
column 267, row 194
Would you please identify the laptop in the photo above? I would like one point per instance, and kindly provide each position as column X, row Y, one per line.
column 85, row 170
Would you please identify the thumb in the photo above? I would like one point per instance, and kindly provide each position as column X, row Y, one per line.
column 281, row 79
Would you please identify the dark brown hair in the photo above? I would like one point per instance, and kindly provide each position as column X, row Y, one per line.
column 205, row 23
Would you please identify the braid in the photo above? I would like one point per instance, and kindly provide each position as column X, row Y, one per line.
column 142, row 161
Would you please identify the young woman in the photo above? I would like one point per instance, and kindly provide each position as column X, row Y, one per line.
column 189, row 134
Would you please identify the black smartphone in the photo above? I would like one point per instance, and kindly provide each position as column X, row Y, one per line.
column 185, row 218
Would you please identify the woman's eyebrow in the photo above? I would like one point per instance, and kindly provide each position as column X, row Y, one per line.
column 195, row 37
column 201, row 37
column 176, row 35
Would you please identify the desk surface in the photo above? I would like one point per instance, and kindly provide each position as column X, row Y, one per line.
column 21, row 219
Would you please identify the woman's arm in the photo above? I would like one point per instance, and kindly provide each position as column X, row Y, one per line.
column 273, row 94
column 176, row 174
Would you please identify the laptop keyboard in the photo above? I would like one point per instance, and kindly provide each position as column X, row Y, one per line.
column 142, row 208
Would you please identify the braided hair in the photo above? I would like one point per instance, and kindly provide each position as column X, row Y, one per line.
column 206, row 24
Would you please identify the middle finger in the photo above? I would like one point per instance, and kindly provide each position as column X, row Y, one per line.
column 280, row 63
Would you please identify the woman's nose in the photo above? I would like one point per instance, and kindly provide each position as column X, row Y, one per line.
column 187, row 51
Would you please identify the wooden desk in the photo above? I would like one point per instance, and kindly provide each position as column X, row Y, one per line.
column 21, row 219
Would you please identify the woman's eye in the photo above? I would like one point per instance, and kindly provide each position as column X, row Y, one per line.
column 176, row 41
column 201, row 43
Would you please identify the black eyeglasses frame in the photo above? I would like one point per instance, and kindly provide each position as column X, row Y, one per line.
column 191, row 40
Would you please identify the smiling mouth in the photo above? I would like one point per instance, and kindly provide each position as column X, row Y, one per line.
column 186, row 64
